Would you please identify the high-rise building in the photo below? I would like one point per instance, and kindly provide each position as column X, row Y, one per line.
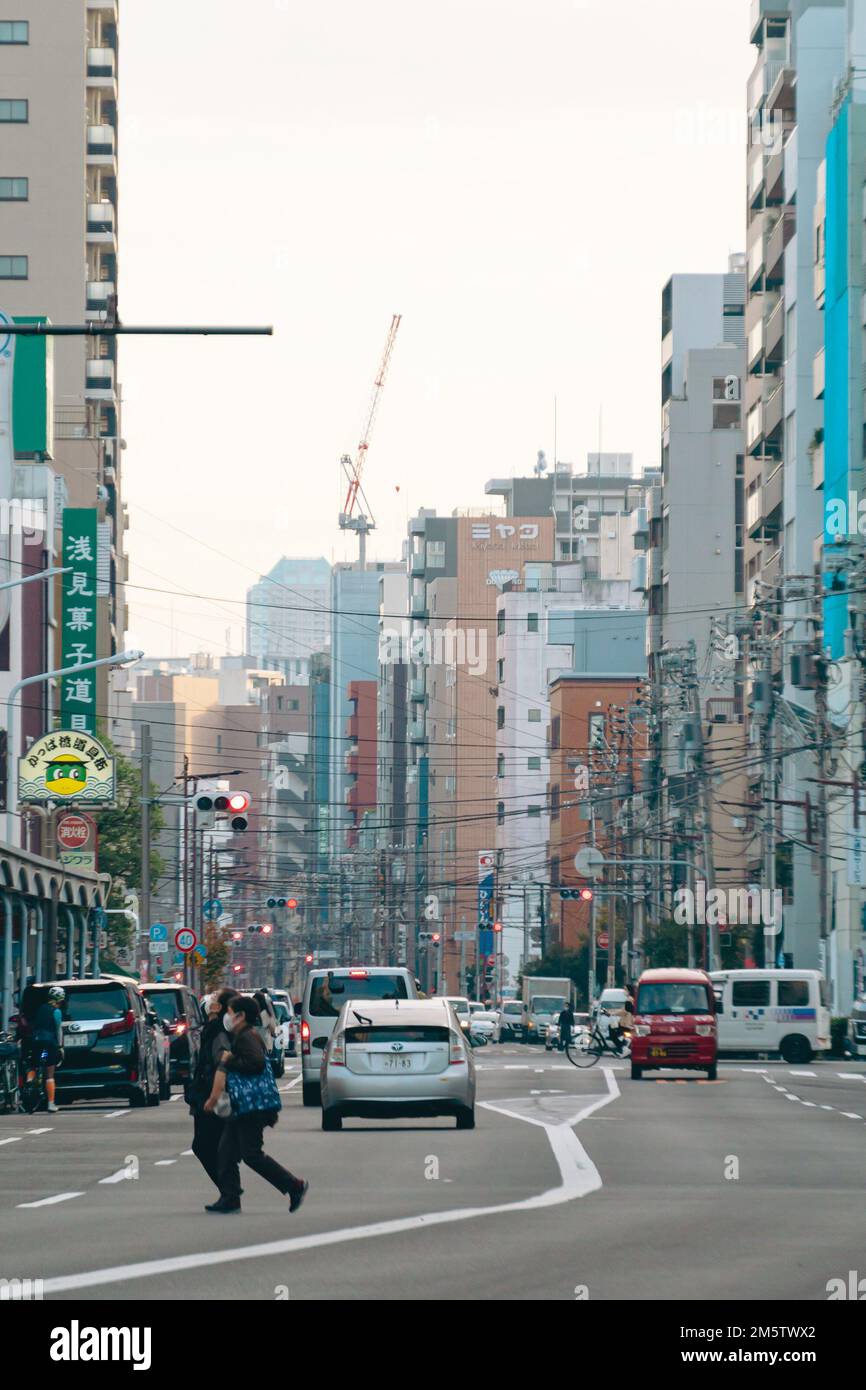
column 59, row 251
column 288, row 616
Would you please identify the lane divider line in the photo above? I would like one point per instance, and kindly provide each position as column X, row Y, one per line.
column 51, row 1201
column 579, row 1176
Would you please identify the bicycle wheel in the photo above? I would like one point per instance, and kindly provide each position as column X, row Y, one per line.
column 583, row 1051
column 31, row 1097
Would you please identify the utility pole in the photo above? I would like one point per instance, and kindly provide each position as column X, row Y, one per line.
column 146, row 750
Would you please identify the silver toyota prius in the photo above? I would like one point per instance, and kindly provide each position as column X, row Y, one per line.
column 398, row 1058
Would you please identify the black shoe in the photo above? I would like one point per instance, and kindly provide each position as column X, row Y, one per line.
column 223, row 1207
column 298, row 1196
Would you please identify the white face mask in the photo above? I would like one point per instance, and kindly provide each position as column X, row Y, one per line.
column 228, row 1022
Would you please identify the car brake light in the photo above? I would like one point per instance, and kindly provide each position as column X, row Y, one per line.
column 180, row 1027
column 305, row 1038
column 118, row 1025
column 337, row 1051
column 357, row 974
column 456, row 1053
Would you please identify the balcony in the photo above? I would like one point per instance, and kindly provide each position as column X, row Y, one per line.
column 818, row 375
column 417, row 689
column 640, row 528
column 101, row 68
column 774, row 415
column 416, row 563
column 773, row 491
column 417, row 730
column 781, row 94
column 99, row 292
column 654, row 503
column 774, row 177
column 755, row 428
column 756, row 263
column 654, row 567
column 816, row 454
column 99, row 379
column 100, row 224
column 755, row 347
column 101, row 145
column 774, row 336
column 757, row 168
column 639, row 574
column 776, row 243
column 418, row 606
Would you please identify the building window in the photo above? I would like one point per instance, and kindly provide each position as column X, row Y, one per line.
column 435, row 555
column 13, row 267
column 500, row 813
column 14, row 112
column 533, row 764
column 500, row 670
column 14, row 31
column 500, row 623
column 500, row 716
column 14, row 190
column 555, row 725
column 532, row 622
column 500, row 765
column 554, row 800
column 534, row 716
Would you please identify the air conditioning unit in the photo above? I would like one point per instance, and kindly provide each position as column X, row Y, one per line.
column 803, row 672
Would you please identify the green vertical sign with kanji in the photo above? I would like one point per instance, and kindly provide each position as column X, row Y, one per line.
column 78, row 630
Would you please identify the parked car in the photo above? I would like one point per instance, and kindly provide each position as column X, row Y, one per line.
column 110, row 1048
column 325, row 993
column 390, row 1059
column 511, row 1023
column 181, row 1012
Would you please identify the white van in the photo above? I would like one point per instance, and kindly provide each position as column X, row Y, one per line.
column 772, row 1011
column 325, row 993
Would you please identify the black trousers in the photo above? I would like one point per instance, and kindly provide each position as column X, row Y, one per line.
column 241, row 1140
column 207, row 1133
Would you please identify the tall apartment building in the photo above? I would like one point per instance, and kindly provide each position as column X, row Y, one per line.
column 288, row 616
column 59, row 251
column 800, row 56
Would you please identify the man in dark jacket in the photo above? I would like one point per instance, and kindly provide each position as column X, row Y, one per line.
column 566, row 1026
column 207, row 1127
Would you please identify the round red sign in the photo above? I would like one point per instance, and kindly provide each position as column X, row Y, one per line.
column 74, row 832
column 603, row 940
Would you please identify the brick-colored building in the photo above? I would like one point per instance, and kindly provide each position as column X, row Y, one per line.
column 361, row 754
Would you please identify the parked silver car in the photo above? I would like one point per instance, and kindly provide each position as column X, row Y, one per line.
column 394, row 1059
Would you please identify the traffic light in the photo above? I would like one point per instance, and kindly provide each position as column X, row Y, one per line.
column 497, row 926
column 205, row 809
column 586, row 895
column 291, row 904
column 308, row 958
column 237, row 936
column 435, row 938
column 234, row 805
column 267, row 928
column 236, row 969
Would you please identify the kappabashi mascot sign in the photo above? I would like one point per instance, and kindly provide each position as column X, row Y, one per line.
column 67, row 766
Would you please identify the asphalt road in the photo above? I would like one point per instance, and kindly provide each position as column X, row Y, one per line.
column 573, row 1184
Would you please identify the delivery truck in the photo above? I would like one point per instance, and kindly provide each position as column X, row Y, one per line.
column 544, row 998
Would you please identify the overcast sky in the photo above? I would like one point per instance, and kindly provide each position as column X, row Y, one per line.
column 517, row 178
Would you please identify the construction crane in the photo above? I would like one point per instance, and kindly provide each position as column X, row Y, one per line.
column 351, row 517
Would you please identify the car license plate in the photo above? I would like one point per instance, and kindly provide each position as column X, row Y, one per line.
column 397, row 1063
column 658, row 1052
column 77, row 1040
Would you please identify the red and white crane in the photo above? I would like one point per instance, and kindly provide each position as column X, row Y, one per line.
column 351, row 517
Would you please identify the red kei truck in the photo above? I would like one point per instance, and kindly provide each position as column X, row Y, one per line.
column 674, row 1022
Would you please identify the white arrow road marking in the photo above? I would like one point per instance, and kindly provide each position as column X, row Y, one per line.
column 16, row 1139
column 41, row 1131
column 119, row 1176
column 50, row 1201
column 579, row 1177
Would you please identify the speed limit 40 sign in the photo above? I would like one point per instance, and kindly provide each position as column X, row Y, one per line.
column 185, row 939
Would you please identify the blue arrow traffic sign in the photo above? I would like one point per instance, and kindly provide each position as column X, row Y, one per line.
column 212, row 908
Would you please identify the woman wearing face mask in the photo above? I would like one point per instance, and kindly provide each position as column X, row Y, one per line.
column 242, row 1134
column 208, row 1128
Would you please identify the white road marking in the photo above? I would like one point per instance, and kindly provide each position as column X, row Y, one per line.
column 852, row 1075
column 16, row 1139
column 828, row 1107
column 579, row 1176
column 112, row 1114
column 179, row 1096
column 810, row 1103
column 849, row 1116
column 802, row 1073
column 164, row 1162
column 47, row 1130
column 186, row 1153
column 51, row 1201
column 121, row 1175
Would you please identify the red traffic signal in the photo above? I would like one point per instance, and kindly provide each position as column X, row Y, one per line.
column 237, row 936
column 291, row 904
column 586, row 895
column 267, row 928
column 237, row 805
column 308, row 958
column 497, row 926
column 435, row 937
column 237, row 969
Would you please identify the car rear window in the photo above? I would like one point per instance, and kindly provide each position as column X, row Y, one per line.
column 95, row 1001
column 328, row 997
column 392, row 1035
column 165, row 1004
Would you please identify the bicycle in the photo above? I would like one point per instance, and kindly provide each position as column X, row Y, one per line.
column 588, row 1044
column 10, row 1055
column 33, row 1094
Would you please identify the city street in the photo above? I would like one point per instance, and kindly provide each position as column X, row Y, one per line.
column 574, row 1184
